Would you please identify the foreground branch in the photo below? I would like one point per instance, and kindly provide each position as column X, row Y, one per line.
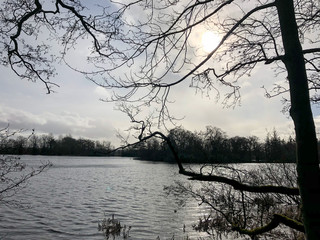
column 241, row 186
column 237, row 185
column 276, row 220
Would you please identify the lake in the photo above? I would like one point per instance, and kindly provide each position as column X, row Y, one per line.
column 76, row 193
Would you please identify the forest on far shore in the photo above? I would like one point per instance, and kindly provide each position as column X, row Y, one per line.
column 214, row 146
column 209, row 146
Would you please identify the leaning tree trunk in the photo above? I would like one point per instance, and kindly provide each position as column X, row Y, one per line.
column 307, row 152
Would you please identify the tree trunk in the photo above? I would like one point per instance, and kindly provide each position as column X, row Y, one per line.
column 301, row 113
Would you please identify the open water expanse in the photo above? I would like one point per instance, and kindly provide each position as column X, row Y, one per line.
column 68, row 200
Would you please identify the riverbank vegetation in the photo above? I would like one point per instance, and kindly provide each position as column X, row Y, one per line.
column 160, row 50
column 49, row 145
column 14, row 174
column 209, row 146
column 214, row 146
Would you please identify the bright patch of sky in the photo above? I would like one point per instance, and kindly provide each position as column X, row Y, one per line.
column 75, row 107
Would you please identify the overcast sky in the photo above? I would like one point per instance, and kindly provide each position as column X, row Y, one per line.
column 75, row 107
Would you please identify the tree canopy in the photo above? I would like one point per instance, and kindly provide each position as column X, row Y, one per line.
column 157, row 50
column 142, row 57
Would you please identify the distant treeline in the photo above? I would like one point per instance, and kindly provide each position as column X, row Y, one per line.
column 48, row 145
column 212, row 146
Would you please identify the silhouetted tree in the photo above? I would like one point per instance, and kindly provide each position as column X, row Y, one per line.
column 240, row 149
column 160, row 44
column 188, row 144
column 20, row 144
column 48, row 145
column 273, row 147
column 215, row 145
column 33, row 145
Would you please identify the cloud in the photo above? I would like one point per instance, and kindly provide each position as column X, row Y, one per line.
column 257, row 115
column 58, row 124
column 101, row 92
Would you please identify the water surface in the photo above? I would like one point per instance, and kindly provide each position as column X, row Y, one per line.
column 68, row 200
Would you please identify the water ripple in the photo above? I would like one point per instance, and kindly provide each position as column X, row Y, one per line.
column 71, row 198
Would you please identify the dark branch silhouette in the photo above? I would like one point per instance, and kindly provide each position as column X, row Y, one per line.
column 142, row 59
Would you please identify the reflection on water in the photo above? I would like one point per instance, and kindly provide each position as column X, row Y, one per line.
column 69, row 200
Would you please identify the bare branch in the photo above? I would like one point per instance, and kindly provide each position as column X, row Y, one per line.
column 274, row 223
column 240, row 186
column 237, row 185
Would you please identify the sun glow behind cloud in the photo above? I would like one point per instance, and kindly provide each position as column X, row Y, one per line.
column 75, row 108
column 210, row 41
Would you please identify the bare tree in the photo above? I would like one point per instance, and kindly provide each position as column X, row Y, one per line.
column 239, row 212
column 14, row 174
column 143, row 57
